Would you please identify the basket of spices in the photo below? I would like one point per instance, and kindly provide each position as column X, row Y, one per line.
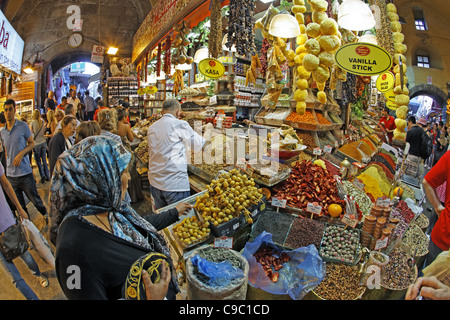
column 399, row 273
column 307, row 121
column 341, row 282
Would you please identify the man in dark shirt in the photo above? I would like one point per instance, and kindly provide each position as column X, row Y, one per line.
column 414, row 136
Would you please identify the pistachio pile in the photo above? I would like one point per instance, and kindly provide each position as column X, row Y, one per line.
column 360, row 197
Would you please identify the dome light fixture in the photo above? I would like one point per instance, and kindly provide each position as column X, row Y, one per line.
column 201, row 54
column 284, row 25
column 355, row 15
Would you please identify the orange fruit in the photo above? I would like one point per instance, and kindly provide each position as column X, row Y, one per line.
column 334, row 210
column 399, row 191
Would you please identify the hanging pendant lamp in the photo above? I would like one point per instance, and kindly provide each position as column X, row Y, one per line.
column 284, row 25
column 355, row 15
column 201, row 54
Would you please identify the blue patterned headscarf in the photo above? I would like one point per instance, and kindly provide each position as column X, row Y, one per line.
column 87, row 181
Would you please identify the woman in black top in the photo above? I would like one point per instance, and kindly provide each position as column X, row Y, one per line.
column 100, row 236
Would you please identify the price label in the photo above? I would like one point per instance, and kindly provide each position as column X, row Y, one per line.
column 327, row 149
column 317, row 151
column 383, row 202
column 223, row 242
column 381, row 243
column 351, row 222
column 280, row 203
column 314, row 208
column 213, row 100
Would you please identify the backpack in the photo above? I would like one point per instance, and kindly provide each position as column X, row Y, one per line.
column 427, row 146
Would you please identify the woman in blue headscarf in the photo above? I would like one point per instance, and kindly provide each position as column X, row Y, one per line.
column 98, row 235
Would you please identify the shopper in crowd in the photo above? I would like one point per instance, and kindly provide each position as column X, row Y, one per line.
column 107, row 119
column 40, row 149
column 7, row 219
column 440, row 234
column 61, row 140
column 127, row 136
column 90, row 106
column 18, row 141
column 96, row 230
column 50, row 102
column 50, row 128
column 414, row 138
column 87, row 129
column 73, row 100
column 428, row 288
column 101, row 106
column 168, row 139
column 63, row 104
column 441, row 142
column 59, row 115
column 70, row 111
column 388, row 122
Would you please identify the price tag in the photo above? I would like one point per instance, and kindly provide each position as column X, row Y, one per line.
column 279, row 203
column 213, row 100
column 381, row 243
column 223, row 242
column 317, row 151
column 383, row 202
column 314, row 208
column 327, row 149
column 349, row 221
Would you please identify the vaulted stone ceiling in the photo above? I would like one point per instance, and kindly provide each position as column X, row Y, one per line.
column 42, row 24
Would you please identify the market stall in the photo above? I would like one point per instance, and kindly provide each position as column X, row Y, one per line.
column 311, row 178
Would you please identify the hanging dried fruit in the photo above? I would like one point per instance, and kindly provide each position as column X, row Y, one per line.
column 180, row 44
column 215, row 34
column 167, row 56
column 240, row 27
column 158, row 61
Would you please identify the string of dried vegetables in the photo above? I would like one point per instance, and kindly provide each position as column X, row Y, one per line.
column 215, row 34
column 263, row 57
column 167, row 55
column 240, row 27
column 158, row 60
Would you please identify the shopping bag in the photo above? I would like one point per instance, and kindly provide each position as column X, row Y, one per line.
column 40, row 244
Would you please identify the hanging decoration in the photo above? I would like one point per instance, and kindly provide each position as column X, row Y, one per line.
column 167, row 56
column 180, row 43
column 215, row 33
column 240, row 27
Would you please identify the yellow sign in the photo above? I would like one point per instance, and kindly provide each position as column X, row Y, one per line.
column 151, row 89
column 385, row 81
column 390, row 95
column 211, row 68
column 391, row 105
column 363, row 59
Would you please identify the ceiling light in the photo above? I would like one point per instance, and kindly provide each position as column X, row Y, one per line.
column 201, row 54
column 266, row 1
column 112, row 50
column 355, row 15
column 284, row 25
column 28, row 70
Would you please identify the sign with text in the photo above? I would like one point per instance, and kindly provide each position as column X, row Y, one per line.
column 11, row 46
column 279, row 203
column 363, row 59
column 223, row 242
column 211, row 68
column 314, row 208
column 98, row 53
column 385, row 81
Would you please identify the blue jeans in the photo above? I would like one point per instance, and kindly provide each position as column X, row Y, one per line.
column 164, row 198
column 40, row 156
column 26, row 184
column 13, row 273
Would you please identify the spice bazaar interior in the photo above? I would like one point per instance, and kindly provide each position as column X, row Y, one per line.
column 315, row 161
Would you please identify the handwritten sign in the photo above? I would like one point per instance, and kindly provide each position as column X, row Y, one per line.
column 383, row 202
column 314, row 208
column 327, row 149
column 223, row 242
column 317, row 151
column 279, row 203
column 381, row 243
column 350, row 221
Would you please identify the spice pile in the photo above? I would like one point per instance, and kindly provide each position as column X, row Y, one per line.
column 309, row 183
column 307, row 140
column 322, row 119
column 360, row 197
column 305, row 232
column 351, row 151
column 416, row 239
column 275, row 223
column 398, row 273
column 339, row 244
column 341, row 282
column 307, row 117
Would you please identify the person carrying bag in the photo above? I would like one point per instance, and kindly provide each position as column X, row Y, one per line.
column 13, row 241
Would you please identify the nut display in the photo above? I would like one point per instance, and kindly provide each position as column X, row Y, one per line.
column 416, row 240
column 231, row 194
column 191, row 230
column 339, row 244
column 341, row 282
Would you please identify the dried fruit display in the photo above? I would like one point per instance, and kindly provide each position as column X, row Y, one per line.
column 309, row 183
column 191, row 230
column 228, row 196
column 271, row 261
column 240, row 27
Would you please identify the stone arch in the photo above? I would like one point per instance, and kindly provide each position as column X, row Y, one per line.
column 431, row 91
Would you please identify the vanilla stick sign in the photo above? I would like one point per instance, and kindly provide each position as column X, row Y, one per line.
column 363, row 59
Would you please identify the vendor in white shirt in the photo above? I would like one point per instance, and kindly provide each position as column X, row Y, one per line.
column 73, row 100
column 168, row 139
